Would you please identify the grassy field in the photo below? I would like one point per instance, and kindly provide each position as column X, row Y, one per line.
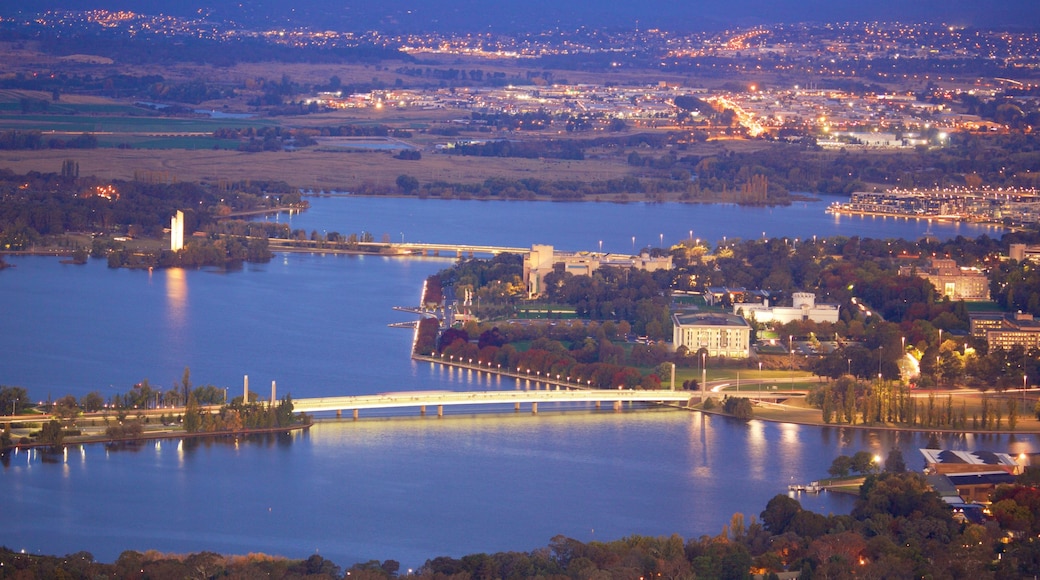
column 307, row 169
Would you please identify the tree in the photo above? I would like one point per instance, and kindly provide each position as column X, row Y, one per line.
column 66, row 407
column 779, row 513
column 894, row 463
column 192, row 417
column 739, row 407
column 52, row 434
column 92, row 402
column 862, row 462
column 407, row 183
column 841, row 466
column 186, row 382
column 12, row 399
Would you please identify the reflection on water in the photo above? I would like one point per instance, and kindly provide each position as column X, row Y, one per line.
column 377, row 488
column 176, row 297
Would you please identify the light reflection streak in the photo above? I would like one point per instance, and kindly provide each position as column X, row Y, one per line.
column 757, row 449
column 176, row 296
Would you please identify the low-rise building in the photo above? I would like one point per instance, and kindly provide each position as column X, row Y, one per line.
column 974, row 474
column 543, row 260
column 1015, row 329
column 803, row 307
column 956, row 283
column 718, row 333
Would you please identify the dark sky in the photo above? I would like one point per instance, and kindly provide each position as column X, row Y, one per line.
column 536, row 15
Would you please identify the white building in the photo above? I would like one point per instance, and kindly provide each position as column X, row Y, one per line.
column 804, row 307
column 543, row 260
column 177, row 231
column 718, row 333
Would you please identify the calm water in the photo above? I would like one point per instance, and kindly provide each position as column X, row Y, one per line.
column 583, row 225
column 407, row 489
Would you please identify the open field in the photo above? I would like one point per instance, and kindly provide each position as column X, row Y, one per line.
column 306, row 169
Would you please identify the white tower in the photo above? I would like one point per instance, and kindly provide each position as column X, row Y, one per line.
column 177, row 231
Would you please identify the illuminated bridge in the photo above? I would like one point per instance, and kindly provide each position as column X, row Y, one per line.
column 390, row 249
column 441, row 399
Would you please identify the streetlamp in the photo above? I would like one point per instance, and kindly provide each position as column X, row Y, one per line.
column 849, row 363
column 662, row 241
column 879, row 349
column 633, row 245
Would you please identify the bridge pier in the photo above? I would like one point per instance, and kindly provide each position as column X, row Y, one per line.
column 440, row 411
column 355, row 414
column 516, row 407
column 422, row 410
column 598, row 405
column 534, row 408
column 617, row 405
column 339, row 413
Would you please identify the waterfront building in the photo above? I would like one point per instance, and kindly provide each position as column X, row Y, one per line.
column 177, row 231
column 974, row 474
column 718, row 333
column 803, row 307
column 542, row 260
column 951, row 281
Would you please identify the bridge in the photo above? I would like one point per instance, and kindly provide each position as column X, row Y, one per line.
column 441, row 399
column 390, row 248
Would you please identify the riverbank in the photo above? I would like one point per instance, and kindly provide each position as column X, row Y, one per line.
column 157, row 435
column 796, row 414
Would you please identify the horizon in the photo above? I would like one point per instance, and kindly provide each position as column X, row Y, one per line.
column 515, row 16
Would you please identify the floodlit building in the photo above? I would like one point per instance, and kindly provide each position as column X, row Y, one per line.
column 177, row 231
column 1022, row 252
column 543, row 260
column 718, row 333
column 954, row 282
column 1015, row 329
column 803, row 307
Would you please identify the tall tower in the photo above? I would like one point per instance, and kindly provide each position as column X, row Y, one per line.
column 177, row 231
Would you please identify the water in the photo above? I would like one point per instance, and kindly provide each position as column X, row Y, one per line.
column 407, row 489
column 574, row 226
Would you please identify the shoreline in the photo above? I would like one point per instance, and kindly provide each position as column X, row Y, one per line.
column 158, row 435
column 756, row 416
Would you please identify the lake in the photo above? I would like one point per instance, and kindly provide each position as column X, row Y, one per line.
column 409, row 488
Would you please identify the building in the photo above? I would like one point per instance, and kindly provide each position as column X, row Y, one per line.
column 718, row 333
column 983, row 322
column 974, row 474
column 543, row 260
column 177, row 231
column 1022, row 252
column 803, row 307
column 1015, row 329
column 956, row 283
column 715, row 295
